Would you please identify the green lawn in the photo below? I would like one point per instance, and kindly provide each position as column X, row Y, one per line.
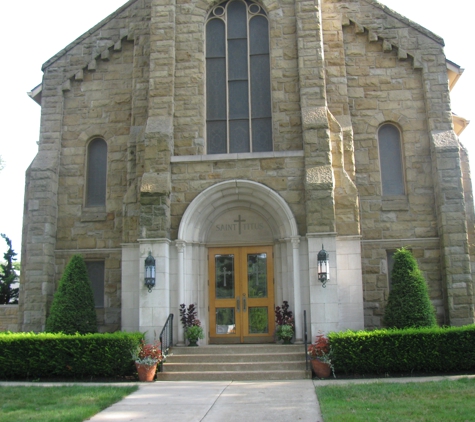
column 62, row 404
column 448, row 401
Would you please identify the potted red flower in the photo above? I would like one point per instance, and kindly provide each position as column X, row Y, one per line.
column 320, row 357
column 147, row 357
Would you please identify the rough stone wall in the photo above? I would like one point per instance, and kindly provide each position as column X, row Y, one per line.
column 384, row 86
column 9, row 318
column 389, row 51
column 67, row 113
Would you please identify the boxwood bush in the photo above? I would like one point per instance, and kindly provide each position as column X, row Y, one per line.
column 27, row 356
column 412, row 350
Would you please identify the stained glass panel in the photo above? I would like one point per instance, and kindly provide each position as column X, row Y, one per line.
column 257, row 275
column 224, row 282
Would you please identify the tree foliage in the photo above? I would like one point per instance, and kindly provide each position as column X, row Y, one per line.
column 73, row 310
column 408, row 304
column 8, row 276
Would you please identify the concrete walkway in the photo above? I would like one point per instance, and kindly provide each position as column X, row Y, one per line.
column 218, row 401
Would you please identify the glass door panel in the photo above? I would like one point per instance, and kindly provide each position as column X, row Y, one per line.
column 225, row 321
column 258, row 320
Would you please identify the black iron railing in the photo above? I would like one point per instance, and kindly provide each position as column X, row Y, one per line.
column 305, row 338
column 166, row 339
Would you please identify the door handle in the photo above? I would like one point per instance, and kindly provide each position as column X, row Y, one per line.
column 238, row 303
column 244, row 304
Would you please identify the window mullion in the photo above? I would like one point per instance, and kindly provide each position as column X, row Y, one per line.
column 228, row 146
column 249, row 78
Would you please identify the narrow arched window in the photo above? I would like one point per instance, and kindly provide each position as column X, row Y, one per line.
column 238, row 91
column 390, row 158
column 96, row 173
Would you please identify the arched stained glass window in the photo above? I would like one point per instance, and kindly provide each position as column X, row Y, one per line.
column 238, row 91
column 390, row 157
column 96, row 173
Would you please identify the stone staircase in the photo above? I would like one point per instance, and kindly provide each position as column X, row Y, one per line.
column 236, row 362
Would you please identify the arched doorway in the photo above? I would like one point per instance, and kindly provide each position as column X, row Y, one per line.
column 237, row 227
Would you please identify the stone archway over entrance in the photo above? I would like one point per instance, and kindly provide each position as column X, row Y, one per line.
column 210, row 204
column 235, row 213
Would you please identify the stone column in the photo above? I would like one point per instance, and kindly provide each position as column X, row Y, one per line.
column 180, row 245
column 315, row 126
column 452, row 225
column 449, row 194
column 37, row 280
column 297, row 295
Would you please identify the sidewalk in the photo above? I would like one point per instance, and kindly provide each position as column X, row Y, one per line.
column 218, row 401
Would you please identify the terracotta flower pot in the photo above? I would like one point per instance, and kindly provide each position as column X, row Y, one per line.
column 321, row 369
column 146, row 372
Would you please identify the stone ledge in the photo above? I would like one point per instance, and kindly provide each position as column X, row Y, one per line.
column 236, row 156
column 90, row 215
column 395, row 203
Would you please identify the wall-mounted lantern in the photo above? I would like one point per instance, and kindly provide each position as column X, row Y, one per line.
column 150, row 272
column 323, row 266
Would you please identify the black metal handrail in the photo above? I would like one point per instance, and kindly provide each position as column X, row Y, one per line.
column 166, row 339
column 305, row 338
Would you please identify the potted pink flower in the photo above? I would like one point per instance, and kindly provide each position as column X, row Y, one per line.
column 320, row 357
column 146, row 358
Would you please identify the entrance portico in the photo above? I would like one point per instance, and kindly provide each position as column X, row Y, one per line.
column 241, row 214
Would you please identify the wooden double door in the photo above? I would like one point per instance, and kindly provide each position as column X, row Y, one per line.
column 241, row 294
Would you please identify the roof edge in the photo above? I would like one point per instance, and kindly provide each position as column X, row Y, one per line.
column 407, row 21
column 70, row 46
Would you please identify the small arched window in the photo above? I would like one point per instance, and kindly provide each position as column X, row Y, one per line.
column 390, row 159
column 238, row 92
column 96, row 173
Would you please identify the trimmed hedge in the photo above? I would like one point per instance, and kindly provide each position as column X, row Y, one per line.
column 44, row 355
column 413, row 350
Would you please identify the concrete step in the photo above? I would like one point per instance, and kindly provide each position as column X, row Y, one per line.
column 235, row 362
column 232, row 376
column 233, row 366
column 248, row 357
column 238, row 349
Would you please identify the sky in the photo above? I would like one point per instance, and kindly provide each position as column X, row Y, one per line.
column 35, row 30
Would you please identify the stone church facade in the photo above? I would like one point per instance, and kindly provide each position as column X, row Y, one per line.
column 232, row 142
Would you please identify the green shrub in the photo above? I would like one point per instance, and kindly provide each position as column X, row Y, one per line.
column 73, row 310
column 8, row 276
column 413, row 350
column 408, row 304
column 45, row 355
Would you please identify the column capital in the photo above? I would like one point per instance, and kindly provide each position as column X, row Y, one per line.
column 180, row 245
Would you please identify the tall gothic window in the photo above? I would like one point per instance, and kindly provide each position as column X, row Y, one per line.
column 95, row 272
column 96, row 173
column 390, row 157
column 238, row 92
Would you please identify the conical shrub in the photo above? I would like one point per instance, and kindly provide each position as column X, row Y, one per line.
column 73, row 310
column 408, row 304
